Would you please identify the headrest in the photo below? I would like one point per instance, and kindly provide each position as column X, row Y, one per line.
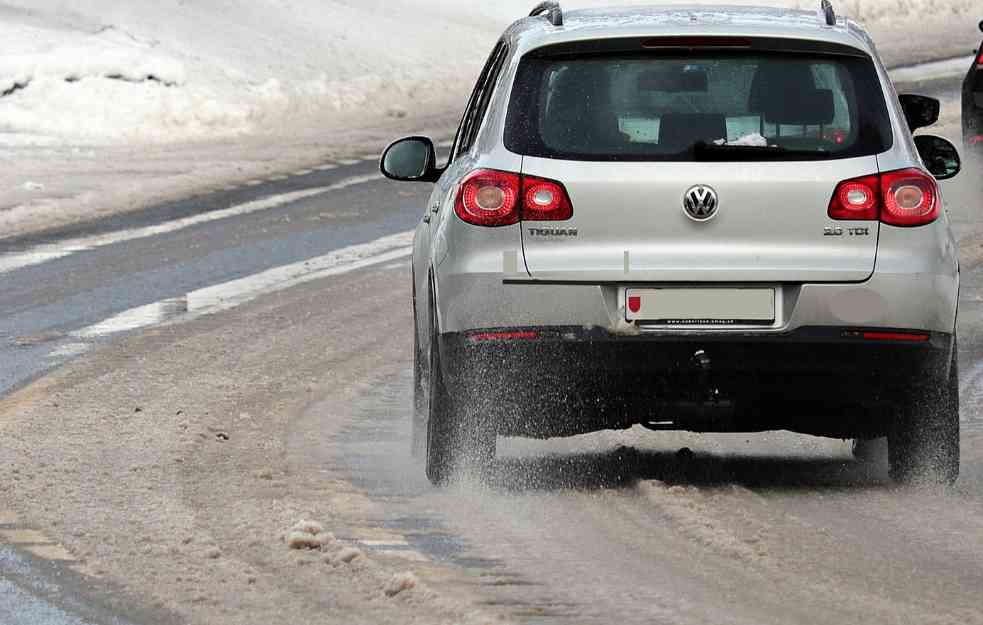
column 681, row 130
column 811, row 107
column 775, row 79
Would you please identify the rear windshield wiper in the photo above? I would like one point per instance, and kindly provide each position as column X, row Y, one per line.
column 704, row 151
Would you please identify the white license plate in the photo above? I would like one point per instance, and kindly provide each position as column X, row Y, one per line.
column 701, row 307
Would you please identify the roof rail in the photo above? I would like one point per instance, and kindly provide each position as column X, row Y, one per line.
column 828, row 12
column 553, row 12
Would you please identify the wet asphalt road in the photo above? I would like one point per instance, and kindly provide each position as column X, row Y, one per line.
column 43, row 307
column 556, row 520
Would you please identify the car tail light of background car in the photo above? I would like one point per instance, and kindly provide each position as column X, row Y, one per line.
column 489, row 197
column 907, row 197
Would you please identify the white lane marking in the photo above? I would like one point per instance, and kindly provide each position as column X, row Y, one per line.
column 53, row 251
column 393, row 542
column 228, row 295
column 397, row 265
column 70, row 350
column 349, row 161
column 932, row 71
column 403, row 554
column 254, row 183
column 326, row 167
column 303, row 172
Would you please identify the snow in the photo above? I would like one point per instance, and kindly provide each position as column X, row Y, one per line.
column 308, row 535
column 169, row 70
column 401, row 582
column 344, row 555
column 109, row 106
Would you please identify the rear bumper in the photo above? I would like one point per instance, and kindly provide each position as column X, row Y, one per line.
column 569, row 380
column 908, row 300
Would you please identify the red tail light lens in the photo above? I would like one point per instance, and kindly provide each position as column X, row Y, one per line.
column 902, row 337
column 857, row 199
column 911, row 198
column 488, row 197
column 544, row 200
column 907, row 197
column 979, row 59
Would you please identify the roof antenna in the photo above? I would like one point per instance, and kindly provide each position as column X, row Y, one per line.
column 553, row 12
column 828, row 12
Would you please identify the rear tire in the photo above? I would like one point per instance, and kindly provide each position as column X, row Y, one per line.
column 459, row 439
column 923, row 447
column 421, row 389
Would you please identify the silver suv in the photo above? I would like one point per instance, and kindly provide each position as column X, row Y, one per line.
column 713, row 220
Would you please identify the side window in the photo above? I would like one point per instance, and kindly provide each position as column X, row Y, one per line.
column 478, row 104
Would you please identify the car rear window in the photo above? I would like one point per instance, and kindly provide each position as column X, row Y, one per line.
column 672, row 106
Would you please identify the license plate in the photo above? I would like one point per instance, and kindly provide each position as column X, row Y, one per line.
column 701, row 307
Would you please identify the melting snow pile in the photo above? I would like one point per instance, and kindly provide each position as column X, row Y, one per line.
column 152, row 71
column 308, row 535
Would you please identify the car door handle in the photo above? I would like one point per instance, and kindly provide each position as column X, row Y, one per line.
column 435, row 207
column 426, row 219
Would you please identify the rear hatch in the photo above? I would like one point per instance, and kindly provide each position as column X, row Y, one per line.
column 713, row 165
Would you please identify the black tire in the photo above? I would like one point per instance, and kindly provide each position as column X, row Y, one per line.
column 458, row 439
column 421, row 391
column 923, row 447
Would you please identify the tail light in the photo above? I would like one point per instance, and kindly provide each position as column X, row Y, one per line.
column 857, row 199
column 488, row 197
column 911, row 198
column 901, row 337
column 979, row 59
column 907, row 197
column 544, row 200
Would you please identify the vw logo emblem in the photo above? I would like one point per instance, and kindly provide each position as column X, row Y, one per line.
column 700, row 203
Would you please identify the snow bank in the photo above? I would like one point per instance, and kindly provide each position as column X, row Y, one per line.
column 158, row 71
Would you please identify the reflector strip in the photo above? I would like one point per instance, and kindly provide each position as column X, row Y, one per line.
column 485, row 337
column 896, row 336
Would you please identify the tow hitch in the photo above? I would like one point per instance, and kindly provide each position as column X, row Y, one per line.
column 705, row 410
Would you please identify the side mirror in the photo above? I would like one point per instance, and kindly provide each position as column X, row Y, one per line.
column 410, row 160
column 941, row 157
column 920, row 111
column 981, row 25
